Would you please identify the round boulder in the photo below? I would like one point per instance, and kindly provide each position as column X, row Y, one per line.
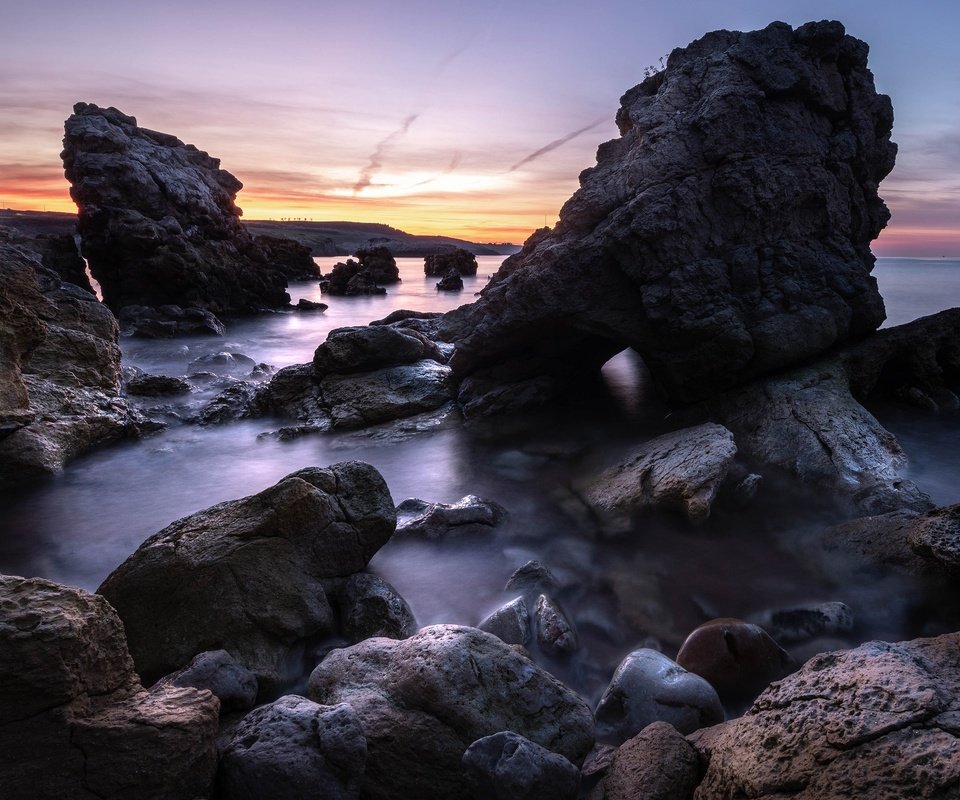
column 507, row 766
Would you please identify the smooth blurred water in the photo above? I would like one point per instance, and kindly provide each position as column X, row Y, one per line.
column 662, row 579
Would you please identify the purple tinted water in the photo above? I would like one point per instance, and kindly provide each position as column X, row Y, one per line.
column 661, row 580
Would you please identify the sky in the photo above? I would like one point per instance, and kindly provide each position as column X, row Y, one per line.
column 469, row 119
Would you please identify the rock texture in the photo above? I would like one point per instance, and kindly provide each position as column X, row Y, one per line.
column 246, row 575
column 291, row 749
column 218, row 672
column 725, row 234
column 422, row 701
column 75, row 721
column 469, row 516
column 509, row 766
column 158, row 220
column 682, row 470
column 881, row 721
column 59, row 369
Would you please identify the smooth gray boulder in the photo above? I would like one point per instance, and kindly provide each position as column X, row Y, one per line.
column 218, row 672
column 421, row 702
column 724, row 235
column 507, row 766
column 647, row 687
column 247, row 575
column 681, row 470
column 291, row 749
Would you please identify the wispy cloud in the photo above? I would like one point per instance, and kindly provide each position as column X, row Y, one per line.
column 451, row 167
column 376, row 157
column 548, row 148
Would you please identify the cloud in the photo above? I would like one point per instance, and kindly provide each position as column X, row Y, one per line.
column 376, row 157
column 548, row 148
column 451, row 167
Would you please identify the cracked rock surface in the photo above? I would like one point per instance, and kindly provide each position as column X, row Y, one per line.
column 247, row 575
column 75, row 721
column 422, row 701
column 881, row 721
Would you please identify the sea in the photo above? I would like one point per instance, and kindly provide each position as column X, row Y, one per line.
column 648, row 585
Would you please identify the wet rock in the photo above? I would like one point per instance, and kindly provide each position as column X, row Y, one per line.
column 532, row 577
column 223, row 363
column 647, row 687
column 158, row 221
column 879, row 721
column 294, row 748
column 370, row 347
column 167, row 321
column 725, row 234
column 309, row 305
column 510, row 623
column 739, row 659
column 59, row 369
column 507, row 765
column 233, row 403
column 246, row 575
column 156, row 385
column 369, row 606
column 469, row 516
column 408, row 318
column 218, row 672
column 460, row 261
column 74, row 719
column 450, row 282
column 556, row 634
column 807, row 423
column 656, row 764
column 422, row 700
column 807, row 622
column 682, row 470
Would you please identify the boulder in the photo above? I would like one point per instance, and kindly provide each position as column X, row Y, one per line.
column 738, row 658
column 879, row 721
column 218, row 672
column 508, row 766
column 724, row 235
column 460, row 261
column 167, row 321
column 556, row 634
column 246, row 575
column 310, row 305
column 532, row 577
column 380, row 263
column 422, row 701
column 369, row 347
column 681, row 470
column 656, row 764
column 74, row 719
column 156, row 385
column 450, row 282
column 290, row 257
column 158, row 219
column 223, row 363
column 470, row 515
column 648, row 687
column 509, row 623
column 935, row 536
column 369, row 606
column 59, row 369
column 293, row 748
column 373, row 266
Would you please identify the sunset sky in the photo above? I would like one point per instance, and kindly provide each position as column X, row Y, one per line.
column 469, row 119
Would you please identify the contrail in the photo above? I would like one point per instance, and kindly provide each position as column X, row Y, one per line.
column 556, row 143
column 454, row 163
column 376, row 158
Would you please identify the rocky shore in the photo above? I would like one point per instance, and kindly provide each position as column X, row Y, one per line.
column 247, row 650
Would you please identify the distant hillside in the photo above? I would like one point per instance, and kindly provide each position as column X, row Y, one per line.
column 323, row 238
column 344, row 238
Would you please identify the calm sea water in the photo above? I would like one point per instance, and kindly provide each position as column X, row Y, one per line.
column 661, row 580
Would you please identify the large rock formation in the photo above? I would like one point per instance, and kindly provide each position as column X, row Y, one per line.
column 725, row 234
column 59, row 368
column 248, row 575
column 75, row 721
column 158, row 220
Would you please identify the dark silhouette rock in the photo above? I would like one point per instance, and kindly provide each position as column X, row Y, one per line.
column 60, row 253
column 156, row 385
column 374, row 265
column 369, row 606
column 460, row 261
column 450, row 282
column 74, row 719
column 421, row 702
column 725, row 234
column 291, row 258
column 879, row 721
column 380, row 263
column 247, row 575
column 166, row 322
column 59, row 369
column 158, row 221
column 310, row 305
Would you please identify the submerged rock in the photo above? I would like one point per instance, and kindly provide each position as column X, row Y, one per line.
column 74, row 719
column 246, row 575
column 725, row 234
column 682, row 470
column 470, row 515
column 421, row 702
column 507, row 765
column 880, row 721
column 158, row 221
